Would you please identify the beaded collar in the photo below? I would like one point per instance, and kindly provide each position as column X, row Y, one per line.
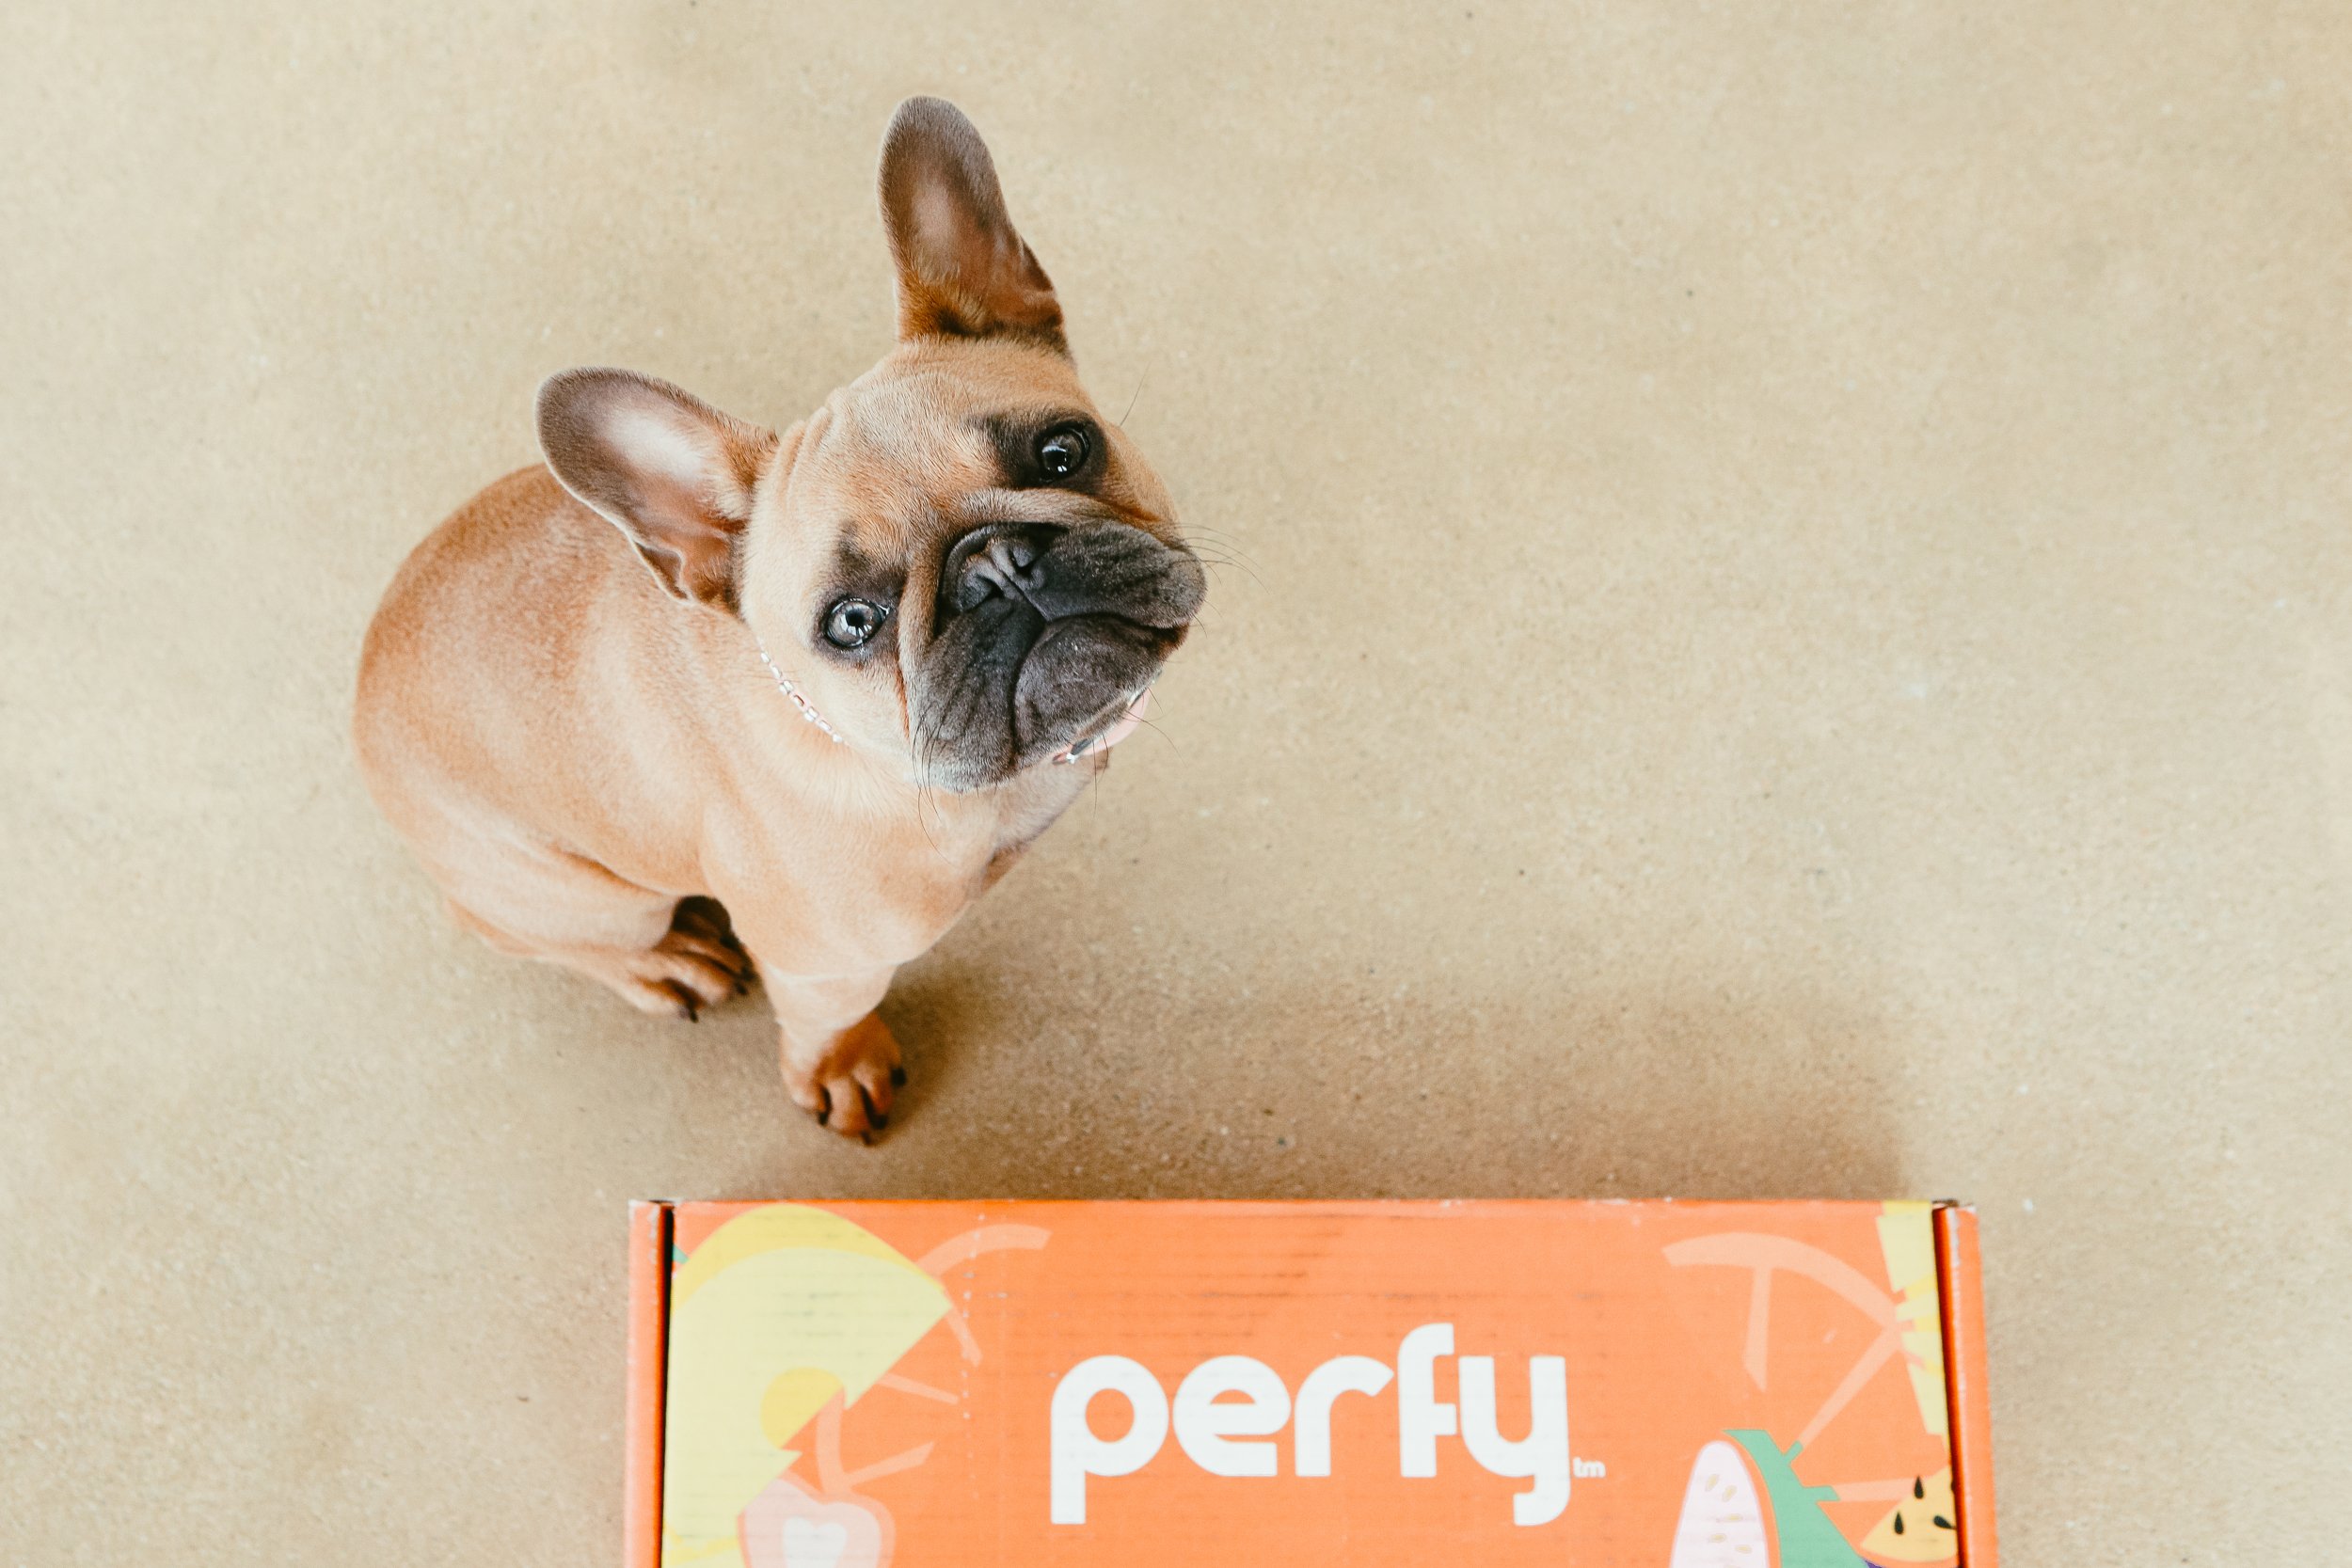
column 784, row 684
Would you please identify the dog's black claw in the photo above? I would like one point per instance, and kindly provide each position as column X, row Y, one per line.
column 898, row 1078
column 881, row 1120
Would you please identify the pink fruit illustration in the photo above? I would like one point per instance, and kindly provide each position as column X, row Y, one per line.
column 1722, row 1524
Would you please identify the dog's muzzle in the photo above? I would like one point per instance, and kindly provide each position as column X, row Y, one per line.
column 1044, row 642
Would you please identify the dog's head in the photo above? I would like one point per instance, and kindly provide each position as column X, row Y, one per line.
column 958, row 561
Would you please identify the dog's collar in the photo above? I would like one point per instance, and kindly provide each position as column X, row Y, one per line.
column 1127, row 723
column 784, row 684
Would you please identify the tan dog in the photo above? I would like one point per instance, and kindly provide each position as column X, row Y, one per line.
column 824, row 678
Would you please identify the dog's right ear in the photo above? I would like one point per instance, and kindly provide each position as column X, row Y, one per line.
column 963, row 269
column 668, row 469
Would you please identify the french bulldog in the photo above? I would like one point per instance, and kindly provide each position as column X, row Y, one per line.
column 696, row 703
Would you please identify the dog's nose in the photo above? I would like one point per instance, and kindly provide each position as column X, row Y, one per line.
column 996, row 558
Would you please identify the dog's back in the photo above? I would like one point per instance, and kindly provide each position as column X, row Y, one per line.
column 482, row 726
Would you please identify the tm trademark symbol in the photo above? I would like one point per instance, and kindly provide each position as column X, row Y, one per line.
column 1588, row 1469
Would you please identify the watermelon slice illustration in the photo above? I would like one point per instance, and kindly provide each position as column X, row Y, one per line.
column 1918, row 1529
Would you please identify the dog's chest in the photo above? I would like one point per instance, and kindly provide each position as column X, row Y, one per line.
column 1003, row 825
column 1031, row 805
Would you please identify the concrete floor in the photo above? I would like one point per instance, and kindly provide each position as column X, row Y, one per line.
column 1791, row 635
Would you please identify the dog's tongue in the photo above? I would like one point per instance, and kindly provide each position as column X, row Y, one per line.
column 1128, row 721
column 1126, row 726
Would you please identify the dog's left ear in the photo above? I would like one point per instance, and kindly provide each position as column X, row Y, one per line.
column 668, row 469
column 963, row 269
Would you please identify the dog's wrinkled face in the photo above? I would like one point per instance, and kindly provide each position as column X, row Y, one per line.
column 977, row 563
column 958, row 560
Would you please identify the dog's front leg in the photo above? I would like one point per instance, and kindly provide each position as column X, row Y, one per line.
column 840, row 1062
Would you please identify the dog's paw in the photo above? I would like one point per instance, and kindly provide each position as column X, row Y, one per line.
column 848, row 1083
column 685, row 971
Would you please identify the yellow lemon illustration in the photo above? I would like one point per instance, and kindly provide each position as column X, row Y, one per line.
column 781, row 1308
column 1907, row 1239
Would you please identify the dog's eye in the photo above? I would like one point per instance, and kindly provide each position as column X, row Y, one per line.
column 852, row 623
column 1062, row 453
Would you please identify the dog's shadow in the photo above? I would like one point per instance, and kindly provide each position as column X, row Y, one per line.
column 1324, row 1092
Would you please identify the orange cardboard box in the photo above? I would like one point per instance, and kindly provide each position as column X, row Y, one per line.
column 1088, row 1384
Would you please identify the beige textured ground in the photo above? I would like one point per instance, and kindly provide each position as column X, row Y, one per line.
column 1797, row 638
